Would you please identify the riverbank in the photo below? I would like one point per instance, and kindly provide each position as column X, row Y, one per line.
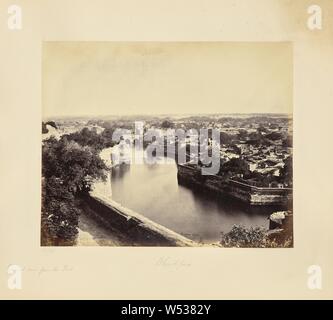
column 254, row 196
column 153, row 191
column 126, row 227
column 94, row 232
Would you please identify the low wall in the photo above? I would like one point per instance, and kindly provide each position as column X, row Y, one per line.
column 138, row 228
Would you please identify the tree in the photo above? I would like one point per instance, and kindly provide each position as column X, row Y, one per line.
column 241, row 237
column 234, row 166
column 274, row 136
column 166, row 124
column 225, row 138
column 60, row 216
column 68, row 169
column 262, row 129
column 50, row 123
column 242, row 135
column 77, row 166
column 87, row 137
column 286, row 173
column 107, row 137
column 288, row 142
column 253, row 237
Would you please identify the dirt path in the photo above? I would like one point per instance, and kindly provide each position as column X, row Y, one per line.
column 93, row 233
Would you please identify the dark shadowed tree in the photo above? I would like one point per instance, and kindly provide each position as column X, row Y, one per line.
column 234, row 166
column 274, row 136
column 76, row 166
column 242, row 134
column 166, row 124
column 225, row 138
column 50, row 123
column 60, row 216
column 288, row 142
column 286, row 173
column 68, row 169
column 87, row 137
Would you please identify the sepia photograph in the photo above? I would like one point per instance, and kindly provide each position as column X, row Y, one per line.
column 167, row 144
column 166, row 155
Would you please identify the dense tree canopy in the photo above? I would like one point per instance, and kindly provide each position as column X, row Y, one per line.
column 166, row 124
column 225, row 138
column 274, row 136
column 68, row 169
column 75, row 165
column 234, row 166
column 59, row 214
column 287, row 171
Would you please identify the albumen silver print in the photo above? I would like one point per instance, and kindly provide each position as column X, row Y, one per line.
column 163, row 144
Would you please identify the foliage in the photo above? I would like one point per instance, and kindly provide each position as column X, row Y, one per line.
column 234, row 166
column 89, row 137
column 74, row 165
column 59, row 215
column 253, row 237
column 274, row 136
column 86, row 137
column 106, row 137
column 288, row 142
column 286, row 173
column 68, row 169
column 225, row 138
column 44, row 129
column 51, row 123
column 258, row 139
column 262, row 129
column 167, row 124
column 242, row 134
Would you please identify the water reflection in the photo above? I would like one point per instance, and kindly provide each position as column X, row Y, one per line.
column 120, row 171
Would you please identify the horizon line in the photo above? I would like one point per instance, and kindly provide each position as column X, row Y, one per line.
column 164, row 115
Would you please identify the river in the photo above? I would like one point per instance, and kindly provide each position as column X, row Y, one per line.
column 153, row 191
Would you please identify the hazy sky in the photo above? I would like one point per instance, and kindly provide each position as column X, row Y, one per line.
column 110, row 78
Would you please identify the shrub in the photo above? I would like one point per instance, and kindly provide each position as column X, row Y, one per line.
column 253, row 237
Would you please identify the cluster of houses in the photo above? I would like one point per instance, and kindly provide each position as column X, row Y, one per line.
column 264, row 158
